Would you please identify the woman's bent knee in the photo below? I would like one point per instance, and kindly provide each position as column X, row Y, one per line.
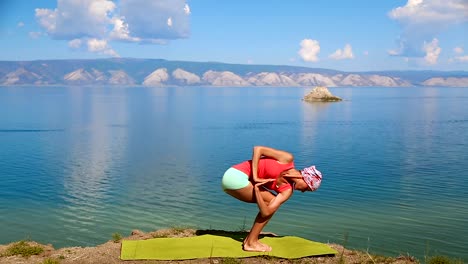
column 245, row 194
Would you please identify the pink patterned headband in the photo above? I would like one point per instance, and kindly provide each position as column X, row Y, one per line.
column 312, row 177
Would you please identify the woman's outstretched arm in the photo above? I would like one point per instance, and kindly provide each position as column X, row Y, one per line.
column 260, row 151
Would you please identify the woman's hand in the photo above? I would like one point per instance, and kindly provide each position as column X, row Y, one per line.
column 262, row 182
column 260, row 151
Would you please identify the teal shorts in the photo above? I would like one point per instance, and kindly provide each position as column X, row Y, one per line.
column 234, row 179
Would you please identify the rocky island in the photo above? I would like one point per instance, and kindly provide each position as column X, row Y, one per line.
column 321, row 94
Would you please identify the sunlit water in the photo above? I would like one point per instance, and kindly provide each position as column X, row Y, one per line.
column 79, row 164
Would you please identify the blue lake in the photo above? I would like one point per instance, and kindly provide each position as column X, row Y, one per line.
column 78, row 164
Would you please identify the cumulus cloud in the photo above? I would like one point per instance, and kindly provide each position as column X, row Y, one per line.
column 187, row 9
column 462, row 58
column 342, row 54
column 120, row 31
column 96, row 22
column 76, row 18
column 309, row 50
column 100, row 46
column 154, row 21
column 422, row 20
column 169, row 22
column 20, row 24
column 74, row 44
column 458, row 50
column 432, row 50
column 433, row 12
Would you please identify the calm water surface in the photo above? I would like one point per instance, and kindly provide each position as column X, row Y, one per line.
column 79, row 164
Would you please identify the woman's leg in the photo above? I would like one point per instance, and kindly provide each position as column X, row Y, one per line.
column 251, row 242
column 246, row 194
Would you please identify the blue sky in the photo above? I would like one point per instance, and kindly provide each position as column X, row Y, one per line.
column 358, row 35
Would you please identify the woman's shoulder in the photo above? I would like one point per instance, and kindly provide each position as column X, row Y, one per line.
column 279, row 161
column 280, row 155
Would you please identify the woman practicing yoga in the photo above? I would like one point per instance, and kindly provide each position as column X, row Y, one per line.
column 254, row 181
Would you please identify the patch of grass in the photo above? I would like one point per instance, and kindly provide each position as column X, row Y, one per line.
column 178, row 229
column 268, row 257
column 382, row 259
column 24, row 249
column 51, row 261
column 116, row 237
column 231, row 261
column 159, row 235
column 407, row 258
column 174, row 231
column 345, row 241
column 438, row 260
column 331, row 99
column 443, row 260
column 243, row 228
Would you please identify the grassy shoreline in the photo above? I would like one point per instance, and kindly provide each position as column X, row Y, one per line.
column 109, row 252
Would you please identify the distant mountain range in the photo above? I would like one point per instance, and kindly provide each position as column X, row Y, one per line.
column 158, row 72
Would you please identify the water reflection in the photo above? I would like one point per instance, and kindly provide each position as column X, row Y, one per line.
column 313, row 116
column 164, row 186
column 97, row 143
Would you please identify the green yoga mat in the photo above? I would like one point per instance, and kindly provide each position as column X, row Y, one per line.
column 207, row 246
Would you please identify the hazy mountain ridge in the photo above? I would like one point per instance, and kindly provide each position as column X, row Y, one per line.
column 156, row 72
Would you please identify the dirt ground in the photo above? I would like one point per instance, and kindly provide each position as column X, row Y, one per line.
column 109, row 253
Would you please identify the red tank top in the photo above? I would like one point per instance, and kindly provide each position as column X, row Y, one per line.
column 267, row 169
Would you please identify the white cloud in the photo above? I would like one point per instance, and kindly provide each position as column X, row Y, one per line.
column 139, row 21
column 148, row 20
column 432, row 50
column 35, row 34
column 75, row 43
column 100, row 46
column 187, row 9
column 309, row 50
column 462, row 58
column 431, row 12
column 342, row 54
column 76, row 18
column 169, row 22
column 120, row 31
column 394, row 52
column 20, row 24
column 94, row 45
column 423, row 20
column 458, row 50
column 47, row 18
column 97, row 44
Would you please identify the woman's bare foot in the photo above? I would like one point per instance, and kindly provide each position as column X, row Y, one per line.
column 256, row 247
column 265, row 246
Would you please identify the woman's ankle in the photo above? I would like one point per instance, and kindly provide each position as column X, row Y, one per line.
column 250, row 241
